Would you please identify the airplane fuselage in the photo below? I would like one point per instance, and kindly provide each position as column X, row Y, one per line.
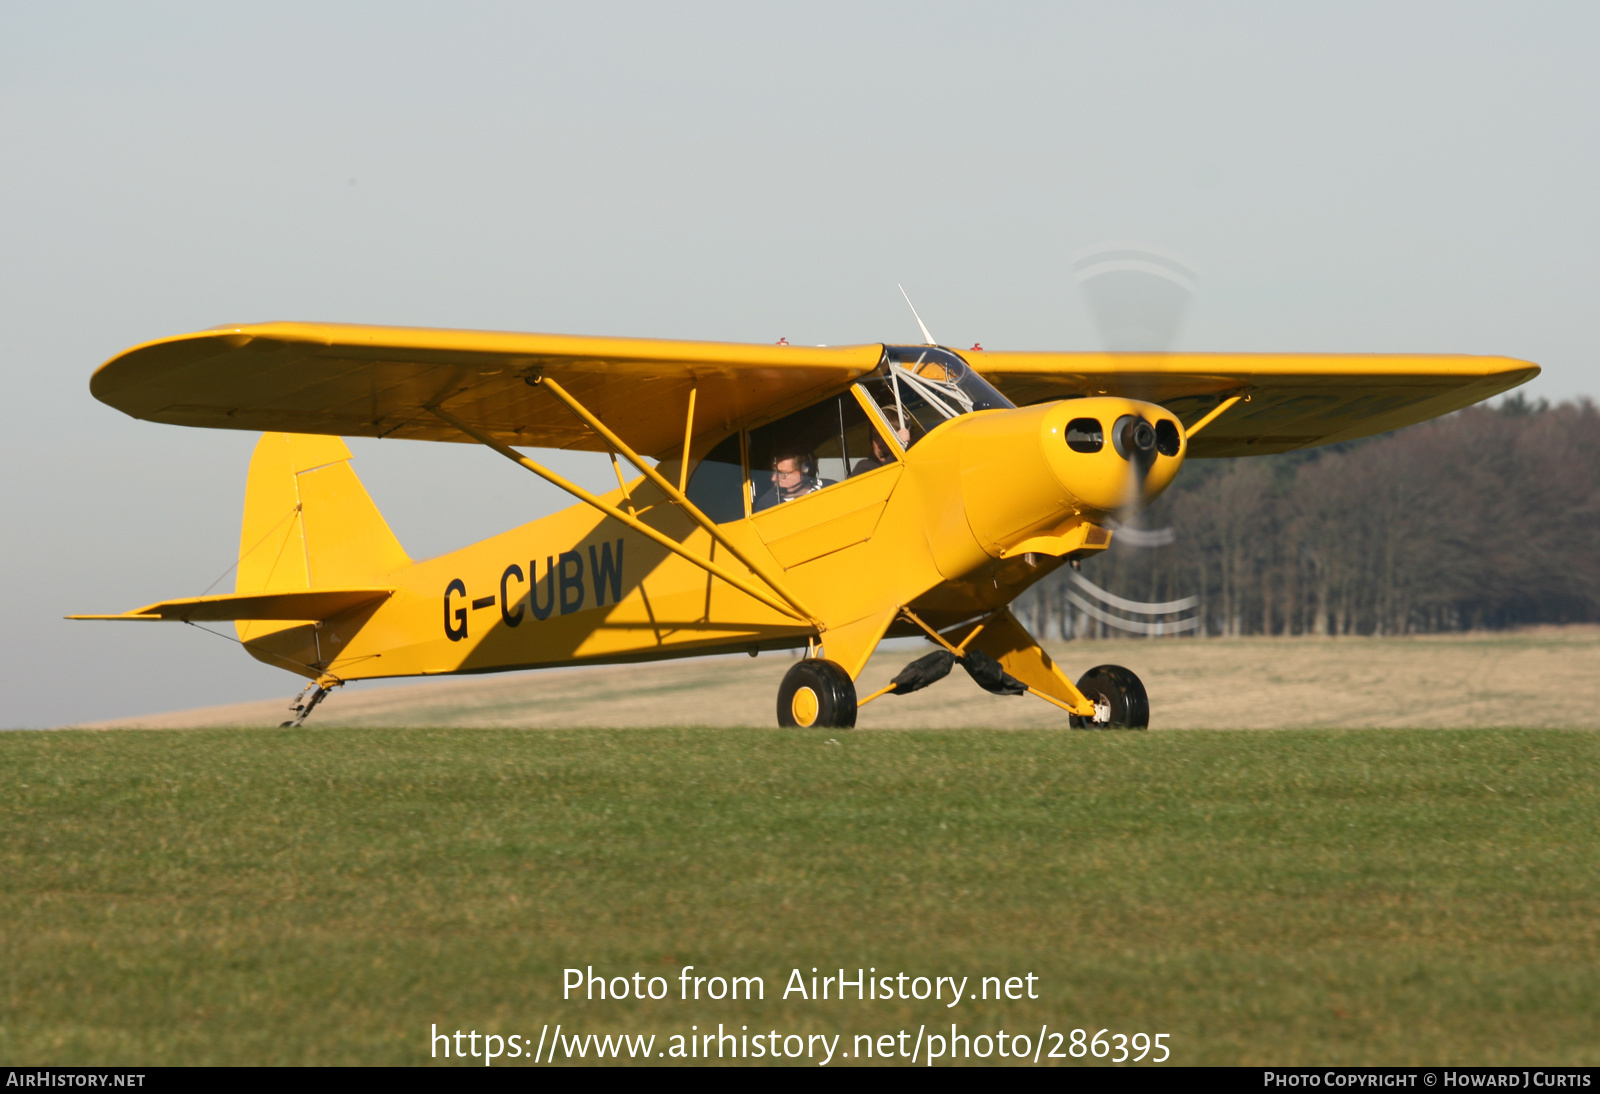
column 961, row 523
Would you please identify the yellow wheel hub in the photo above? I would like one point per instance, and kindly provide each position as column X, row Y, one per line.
column 805, row 706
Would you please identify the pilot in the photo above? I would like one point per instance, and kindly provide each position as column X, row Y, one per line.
column 881, row 455
column 794, row 475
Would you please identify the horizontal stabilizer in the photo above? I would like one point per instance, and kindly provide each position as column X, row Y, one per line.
column 305, row 604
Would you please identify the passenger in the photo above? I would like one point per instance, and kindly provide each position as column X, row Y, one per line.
column 881, row 456
column 794, row 475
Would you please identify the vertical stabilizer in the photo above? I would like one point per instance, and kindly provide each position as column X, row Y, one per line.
column 308, row 521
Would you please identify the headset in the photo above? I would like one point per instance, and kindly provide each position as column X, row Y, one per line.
column 807, row 462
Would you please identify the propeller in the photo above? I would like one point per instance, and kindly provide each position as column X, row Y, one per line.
column 1158, row 623
column 1138, row 296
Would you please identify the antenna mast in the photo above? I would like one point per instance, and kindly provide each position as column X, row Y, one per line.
column 927, row 339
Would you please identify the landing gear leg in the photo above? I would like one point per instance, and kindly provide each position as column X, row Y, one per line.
column 817, row 694
column 1119, row 699
column 1024, row 661
column 305, row 703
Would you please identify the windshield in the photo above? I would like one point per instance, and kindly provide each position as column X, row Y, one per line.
column 918, row 387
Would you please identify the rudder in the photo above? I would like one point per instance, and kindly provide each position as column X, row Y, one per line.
column 308, row 521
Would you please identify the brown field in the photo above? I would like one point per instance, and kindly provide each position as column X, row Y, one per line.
column 1543, row 677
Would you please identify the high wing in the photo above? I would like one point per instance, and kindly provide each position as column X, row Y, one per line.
column 359, row 381
column 1294, row 400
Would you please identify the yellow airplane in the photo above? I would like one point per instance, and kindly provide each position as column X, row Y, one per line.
column 816, row 497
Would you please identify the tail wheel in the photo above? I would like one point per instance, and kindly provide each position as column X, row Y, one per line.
column 1119, row 693
column 817, row 694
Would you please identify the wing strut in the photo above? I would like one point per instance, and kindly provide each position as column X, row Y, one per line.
column 794, row 612
column 673, row 493
column 688, row 435
column 1216, row 412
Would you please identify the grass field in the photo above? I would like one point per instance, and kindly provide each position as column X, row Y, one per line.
column 1412, row 682
column 228, row 896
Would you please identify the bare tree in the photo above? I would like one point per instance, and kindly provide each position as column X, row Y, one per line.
column 1487, row 518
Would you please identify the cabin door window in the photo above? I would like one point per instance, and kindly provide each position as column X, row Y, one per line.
column 812, row 450
column 717, row 485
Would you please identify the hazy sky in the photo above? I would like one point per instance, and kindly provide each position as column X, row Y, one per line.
column 1388, row 177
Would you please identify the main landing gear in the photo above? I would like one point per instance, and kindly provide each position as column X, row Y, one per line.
column 820, row 693
column 1119, row 699
column 817, row 694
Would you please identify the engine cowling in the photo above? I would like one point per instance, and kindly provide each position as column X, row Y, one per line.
column 1027, row 471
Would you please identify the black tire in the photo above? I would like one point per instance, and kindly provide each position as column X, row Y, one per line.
column 1119, row 687
column 817, row 694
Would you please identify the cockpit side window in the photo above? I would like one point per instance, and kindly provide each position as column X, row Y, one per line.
column 811, row 450
column 919, row 387
column 717, row 485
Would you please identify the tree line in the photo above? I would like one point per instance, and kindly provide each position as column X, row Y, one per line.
column 1486, row 519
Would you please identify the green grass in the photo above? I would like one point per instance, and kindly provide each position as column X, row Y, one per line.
column 1270, row 897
